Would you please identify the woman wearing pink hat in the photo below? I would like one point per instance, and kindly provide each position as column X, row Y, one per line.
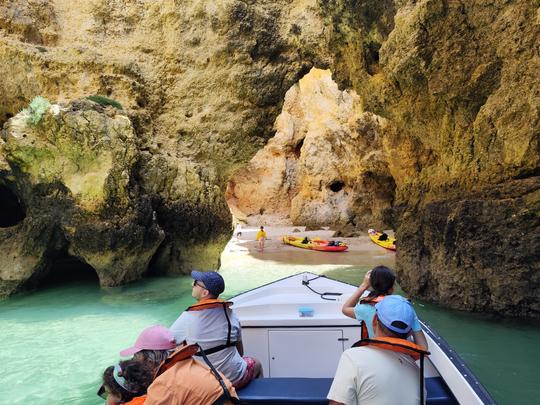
column 178, row 378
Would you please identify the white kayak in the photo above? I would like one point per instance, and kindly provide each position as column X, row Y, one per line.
column 295, row 327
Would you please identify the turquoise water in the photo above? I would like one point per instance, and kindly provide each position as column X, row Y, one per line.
column 56, row 342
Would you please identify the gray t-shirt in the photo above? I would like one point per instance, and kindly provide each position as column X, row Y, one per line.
column 209, row 329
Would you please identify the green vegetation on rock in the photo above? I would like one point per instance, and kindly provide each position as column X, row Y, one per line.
column 105, row 101
column 37, row 107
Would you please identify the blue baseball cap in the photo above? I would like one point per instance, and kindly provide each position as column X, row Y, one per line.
column 396, row 313
column 212, row 280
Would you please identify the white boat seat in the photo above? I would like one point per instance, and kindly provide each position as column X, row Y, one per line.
column 313, row 391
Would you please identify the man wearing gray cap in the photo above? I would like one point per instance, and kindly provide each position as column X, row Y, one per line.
column 382, row 371
column 216, row 328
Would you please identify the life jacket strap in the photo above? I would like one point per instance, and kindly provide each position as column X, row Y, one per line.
column 226, row 396
column 372, row 300
column 215, row 349
column 364, row 332
column 182, row 353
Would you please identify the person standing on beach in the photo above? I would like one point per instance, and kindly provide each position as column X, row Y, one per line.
column 261, row 237
column 238, row 231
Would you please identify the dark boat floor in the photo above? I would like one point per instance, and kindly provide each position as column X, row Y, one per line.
column 311, row 391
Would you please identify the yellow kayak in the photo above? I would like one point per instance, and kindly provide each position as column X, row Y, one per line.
column 387, row 242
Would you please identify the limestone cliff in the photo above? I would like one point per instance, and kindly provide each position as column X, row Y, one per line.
column 449, row 90
column 459, row 82
column 72, row 169
column 324, row 166
column 201, row 82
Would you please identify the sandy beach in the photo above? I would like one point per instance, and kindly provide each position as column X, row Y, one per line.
column 241, row 255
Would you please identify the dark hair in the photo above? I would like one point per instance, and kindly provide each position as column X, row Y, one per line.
column 152, row 358
column 391, row 333
column 382, row 280
column 138, row 378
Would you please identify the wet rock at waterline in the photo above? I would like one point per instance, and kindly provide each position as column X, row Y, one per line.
column 71, row 169
column 480, row 252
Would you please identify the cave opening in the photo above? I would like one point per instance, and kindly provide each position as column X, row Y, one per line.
column 336, row 186
column 371, row 57
column 4, row 117
column 67, row 269
column 298, row 148
column 12, row 212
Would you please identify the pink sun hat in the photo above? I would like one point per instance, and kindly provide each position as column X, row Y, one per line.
column 155, row 337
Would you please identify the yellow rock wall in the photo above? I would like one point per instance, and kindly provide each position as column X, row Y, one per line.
column 449, row 89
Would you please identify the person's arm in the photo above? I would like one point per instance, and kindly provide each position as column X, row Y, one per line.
column 348, row 307
column 179, row 328
column 418, row 335
column 335, row 403
column 420, row 339
column 240, row 347
column 237, row 332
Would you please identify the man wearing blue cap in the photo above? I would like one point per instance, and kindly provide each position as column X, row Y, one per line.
column 382, row 371
column 216, row 328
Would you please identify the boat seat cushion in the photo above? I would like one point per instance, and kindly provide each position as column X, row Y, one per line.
column 297, row 391
column 312, row 391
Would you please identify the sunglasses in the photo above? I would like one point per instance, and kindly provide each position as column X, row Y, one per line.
column 198, row 285
column 102, row 393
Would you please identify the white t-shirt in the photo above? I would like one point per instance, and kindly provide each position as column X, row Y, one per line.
column 374, row 376
column 209, row 329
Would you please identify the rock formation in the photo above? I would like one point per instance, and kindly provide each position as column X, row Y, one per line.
column 459, row 82
column 449, row 89
column 72, row 169
column 324, row 166
column 202, row 83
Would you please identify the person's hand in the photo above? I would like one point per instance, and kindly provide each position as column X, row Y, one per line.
column 366, row 283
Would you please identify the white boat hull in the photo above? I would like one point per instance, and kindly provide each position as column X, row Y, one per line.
column 290, row 345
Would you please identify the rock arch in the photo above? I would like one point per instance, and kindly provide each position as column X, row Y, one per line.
column 12, row 211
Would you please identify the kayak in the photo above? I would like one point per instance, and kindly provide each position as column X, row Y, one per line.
column 315, row 244
column 389, row 243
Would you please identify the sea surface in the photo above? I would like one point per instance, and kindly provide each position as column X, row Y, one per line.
column 56, row 342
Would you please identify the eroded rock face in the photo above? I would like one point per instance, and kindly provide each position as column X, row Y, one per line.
column 324, row 166
column 73, row 168
column 202, row 82
column 459, row 83
column 478, row 252
column 453, row 88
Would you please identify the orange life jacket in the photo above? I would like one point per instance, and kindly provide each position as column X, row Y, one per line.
column 215, row 303
column 179, row 354
column 185, row 352
column 209, row 303
column 136, row 401
column 398, row 345
column 369, row 301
